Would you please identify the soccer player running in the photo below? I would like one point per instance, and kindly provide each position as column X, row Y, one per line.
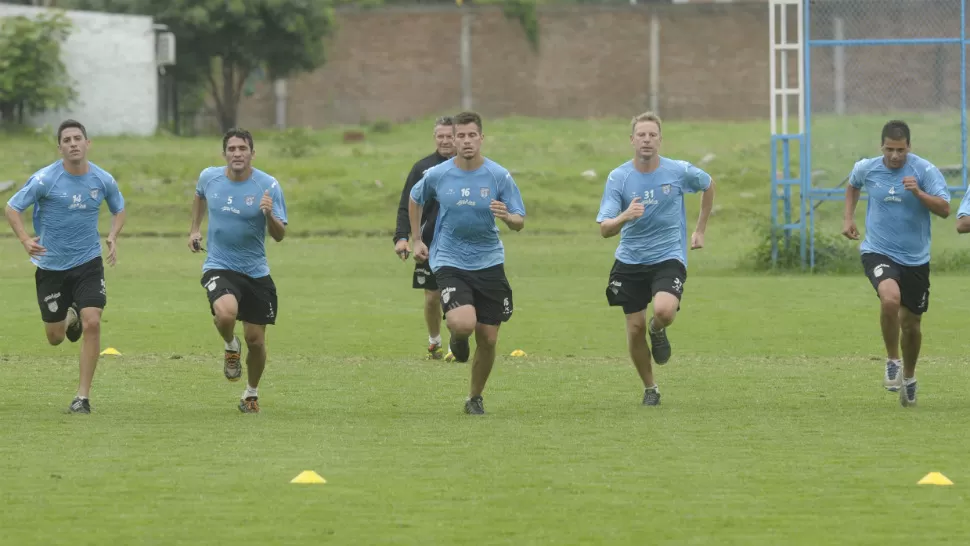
column 444, row 137
column 67, row 196
column 903, row 190
column 243, row 204
column 643, row 201
column 467, row 255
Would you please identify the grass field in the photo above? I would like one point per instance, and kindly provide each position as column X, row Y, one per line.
column 774, row 427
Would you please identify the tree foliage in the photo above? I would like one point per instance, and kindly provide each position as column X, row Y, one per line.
column 33, row 77
column 222, row 42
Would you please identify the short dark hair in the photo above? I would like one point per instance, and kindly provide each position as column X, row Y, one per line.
column 71, row 124
column 238, row 133
column 895, row 130
column 465, row 118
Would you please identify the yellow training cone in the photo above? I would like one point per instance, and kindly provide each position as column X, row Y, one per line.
column 518, row 352
column 110, row 351
column 934, row 478
column 308, row 476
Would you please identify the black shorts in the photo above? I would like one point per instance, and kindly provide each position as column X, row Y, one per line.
column 488, row 290
column 57, row 290
column 423, row 277
column 633, row 286
column 913, row 280
column 256, row 298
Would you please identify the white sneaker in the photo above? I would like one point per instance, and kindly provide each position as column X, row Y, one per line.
column 907, row 394
column 893, row 379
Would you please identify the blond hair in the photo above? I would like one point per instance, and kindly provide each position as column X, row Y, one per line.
column 646, row 116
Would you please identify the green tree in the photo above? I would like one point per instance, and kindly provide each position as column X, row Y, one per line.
column 32, row 76
column 222, row 42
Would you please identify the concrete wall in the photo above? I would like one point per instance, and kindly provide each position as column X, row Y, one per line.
column 112, row 59
column 594, row 61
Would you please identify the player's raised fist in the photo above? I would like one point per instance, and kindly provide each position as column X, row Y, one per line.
column 266, row 203
column 911, row 184
column 635, row 210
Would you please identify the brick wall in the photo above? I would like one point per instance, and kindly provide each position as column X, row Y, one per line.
column 594, row 61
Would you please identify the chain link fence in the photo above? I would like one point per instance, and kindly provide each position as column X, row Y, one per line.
column 875, row 60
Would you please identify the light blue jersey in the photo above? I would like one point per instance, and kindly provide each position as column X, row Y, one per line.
column 661, row 233
column 465, row 235
column 66, row 211
column 964, row 209
column 897, row 223
column 237, row 228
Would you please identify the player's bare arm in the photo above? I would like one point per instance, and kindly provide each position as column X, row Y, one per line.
column 937, row 205
column 414, row 216
column 195, row 235
column 277, row 230
column 612, row 226
column 849, row 228
column 515, row 221
column 31, row 244
column 117, row 224
column 707, row 205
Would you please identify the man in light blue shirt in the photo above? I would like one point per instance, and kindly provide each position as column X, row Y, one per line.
column 67, row 197
column 467, row 255
column 643, row 201
column 243, row 204
column 903, row 190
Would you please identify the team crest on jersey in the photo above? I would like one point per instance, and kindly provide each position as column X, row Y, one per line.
column 250, row 199
column 94, row 193
column 483, row 192
column 666, row 188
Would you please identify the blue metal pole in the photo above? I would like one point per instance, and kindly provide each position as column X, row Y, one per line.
column 774, row 202
column 786, row 175
column 886, row 41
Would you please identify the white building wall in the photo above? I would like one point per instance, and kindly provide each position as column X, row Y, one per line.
column 111, row 58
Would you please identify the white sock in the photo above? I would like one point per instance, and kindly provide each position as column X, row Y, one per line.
column 652, row 330
column 435, row 340
column 895, row 361
column 234, row 346
column 250, row 392
column 909, row 380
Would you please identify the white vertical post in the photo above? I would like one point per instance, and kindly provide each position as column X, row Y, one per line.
column 800, row 52
column 466, row 60
column 654, row 63
column 780, row 47
column 772, row 72
column 838, row 58
column 784, row 69
column 279, row 91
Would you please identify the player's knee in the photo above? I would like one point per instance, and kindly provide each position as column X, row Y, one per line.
column 255, row 340
column 225, row 308
column 225, row 314
column 910, row 324
column 486, row 337
column 889, row 294
column 636, row 326
column 461, row 326
column 432, row 299
column 91, row 323
column 665, row 315
column 55, row 337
